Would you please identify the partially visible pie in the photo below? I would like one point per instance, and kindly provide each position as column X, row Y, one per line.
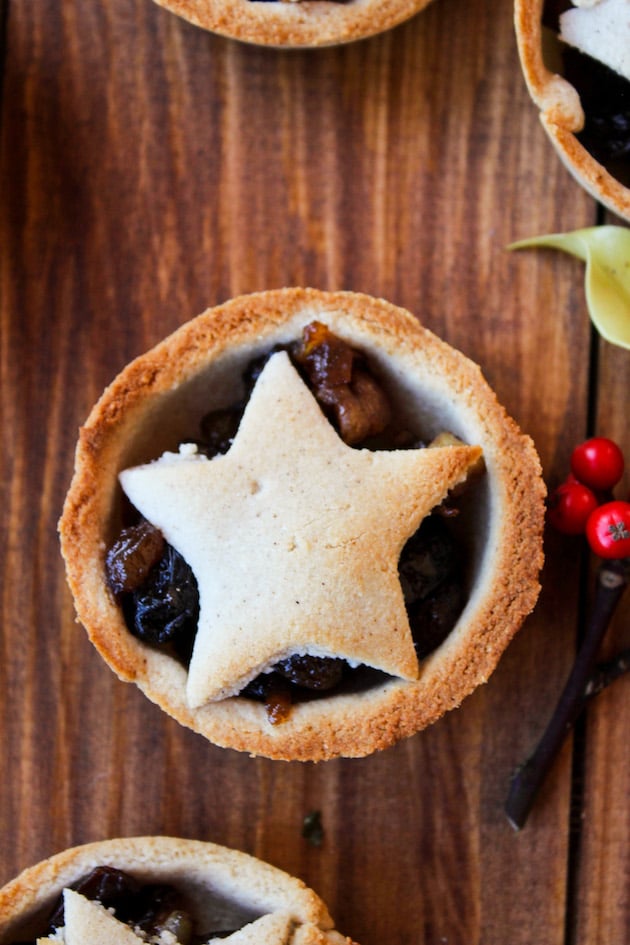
column 162, row 890
column 295, row 23
column 576, row 68
column 297, row 541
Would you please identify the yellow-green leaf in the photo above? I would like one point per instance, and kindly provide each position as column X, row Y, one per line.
column 606, row 252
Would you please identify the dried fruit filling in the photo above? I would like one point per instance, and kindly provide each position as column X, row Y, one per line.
column 150, row 909
column 158, row 591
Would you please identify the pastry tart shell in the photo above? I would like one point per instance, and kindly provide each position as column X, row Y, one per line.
column 306, row 23
column 561, row 112
column 159, row 398
column 220, row 884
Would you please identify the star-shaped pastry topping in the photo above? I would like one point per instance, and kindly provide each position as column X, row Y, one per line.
column 87, row 922
column 294, row 537
column 275, row 928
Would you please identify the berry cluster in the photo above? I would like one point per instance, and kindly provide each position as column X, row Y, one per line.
column 584, row 503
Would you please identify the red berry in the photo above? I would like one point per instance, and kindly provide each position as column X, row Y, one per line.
column 608, row 530
column 598, row 463
column 570, row 506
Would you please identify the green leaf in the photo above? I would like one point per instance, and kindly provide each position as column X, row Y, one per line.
column 606, row 252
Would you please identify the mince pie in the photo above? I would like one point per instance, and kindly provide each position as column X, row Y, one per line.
column 303, row 525
column 295, row 23
column 576, row 61
column 164, row 891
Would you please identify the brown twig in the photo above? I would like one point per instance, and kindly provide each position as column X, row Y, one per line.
column 612, row 580
column 606, row 673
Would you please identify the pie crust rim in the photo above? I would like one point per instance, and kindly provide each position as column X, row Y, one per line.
column 305, row 24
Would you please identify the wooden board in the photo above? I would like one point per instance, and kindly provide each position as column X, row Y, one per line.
column 150, row 170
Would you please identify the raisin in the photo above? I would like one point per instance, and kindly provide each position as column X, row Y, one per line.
column 351, row 396
column 432, row 583
column 132, row 556
column 433, row 618
column 259, row 688
column 157, row 908
column 255, row 367
column 277, row 688
column 177, row 922
column 326, row 358
column 218, row 429
column 428, row 558
column 166, row 608
column 274, row 691
column 360, row 409
column 112, row 887
column 278, row 705
column 311, row 672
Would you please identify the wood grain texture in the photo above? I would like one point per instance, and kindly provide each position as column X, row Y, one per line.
column 150, row 170
column 603, row 851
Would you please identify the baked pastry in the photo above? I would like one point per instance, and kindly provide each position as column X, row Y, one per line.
column 295, row 23
column 161, row 890
column 576, row 65
column 323, row 558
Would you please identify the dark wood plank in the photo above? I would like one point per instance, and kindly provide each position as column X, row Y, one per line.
column 604, row 852
column 150, row 170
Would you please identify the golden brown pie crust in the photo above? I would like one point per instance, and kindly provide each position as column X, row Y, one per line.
column 157, row 399
column 561, row 112
column 306, row 23
column 205, row 872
